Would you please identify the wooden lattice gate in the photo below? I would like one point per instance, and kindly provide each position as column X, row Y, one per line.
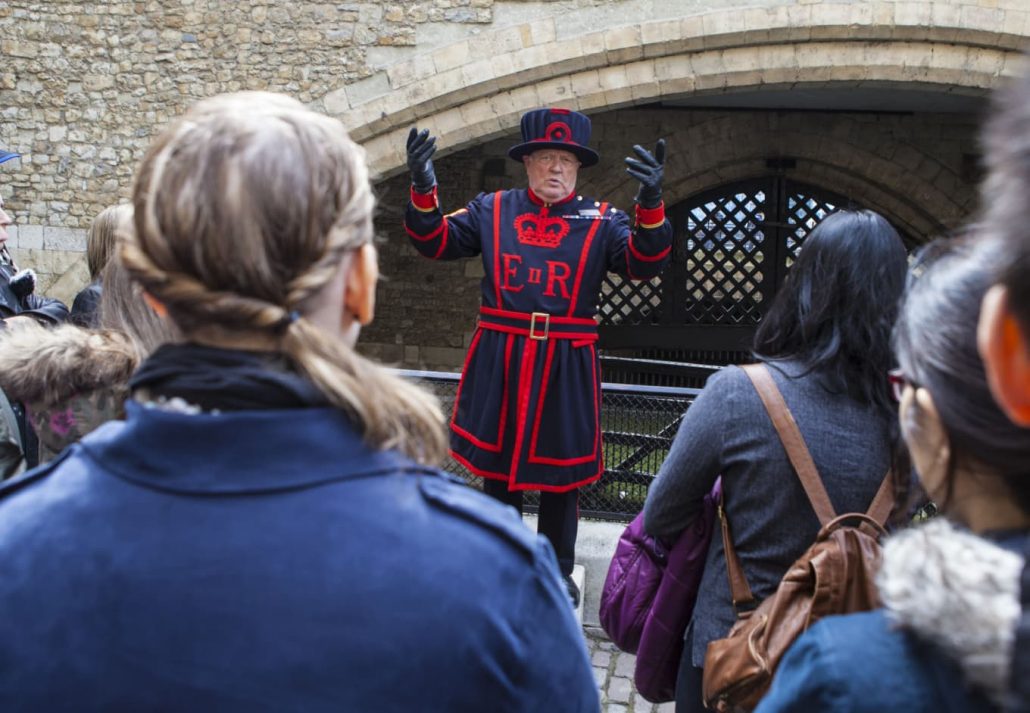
column 732, row 248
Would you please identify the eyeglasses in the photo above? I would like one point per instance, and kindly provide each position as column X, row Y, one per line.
column 898, row 382
column 549, row 159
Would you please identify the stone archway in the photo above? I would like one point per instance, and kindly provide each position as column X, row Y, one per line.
column 472, row 93
column 475, row 90
column 911, row 186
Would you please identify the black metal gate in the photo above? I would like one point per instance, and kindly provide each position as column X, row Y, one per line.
column 732, row 247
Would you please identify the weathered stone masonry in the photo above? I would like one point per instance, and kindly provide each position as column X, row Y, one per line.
column 85, row 86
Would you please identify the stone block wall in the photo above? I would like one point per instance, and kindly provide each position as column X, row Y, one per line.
column 84, row 86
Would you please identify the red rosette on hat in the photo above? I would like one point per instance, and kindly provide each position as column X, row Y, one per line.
column 561, row 129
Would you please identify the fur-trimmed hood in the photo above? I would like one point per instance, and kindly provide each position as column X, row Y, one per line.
column 959, row 592
column 44, row 367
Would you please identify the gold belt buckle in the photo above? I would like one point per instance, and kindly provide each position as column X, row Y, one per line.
column 532, row 325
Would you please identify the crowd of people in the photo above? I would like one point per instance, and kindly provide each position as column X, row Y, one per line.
column 211, row 500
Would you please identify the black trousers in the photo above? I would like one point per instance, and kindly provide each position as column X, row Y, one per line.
column 558, row 519
column 689, row 697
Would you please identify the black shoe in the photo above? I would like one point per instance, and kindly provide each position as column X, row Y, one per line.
column 573, row 590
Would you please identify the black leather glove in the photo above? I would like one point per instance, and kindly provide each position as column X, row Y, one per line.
column 421, row 147
column 648, row 170
column 23, row 283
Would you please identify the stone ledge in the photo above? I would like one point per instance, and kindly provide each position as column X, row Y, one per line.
column 532, row 57
column 902, row 63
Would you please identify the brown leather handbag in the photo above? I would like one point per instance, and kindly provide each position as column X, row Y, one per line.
column 835, row 575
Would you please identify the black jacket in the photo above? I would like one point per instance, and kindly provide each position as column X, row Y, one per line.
column 86, row 304
column 45, row 309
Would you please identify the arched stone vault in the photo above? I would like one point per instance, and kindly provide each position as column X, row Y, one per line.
column 895, row 178
column 475, row 90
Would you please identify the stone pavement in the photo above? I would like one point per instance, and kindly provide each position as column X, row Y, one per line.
column 613, row 671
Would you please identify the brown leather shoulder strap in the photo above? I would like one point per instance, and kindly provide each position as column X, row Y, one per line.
column 793, row 442
column 801, row 459
column 883, row 501
column 740, row 591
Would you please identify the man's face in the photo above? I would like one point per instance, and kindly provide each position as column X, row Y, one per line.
column 5, row 220
column 552, row 173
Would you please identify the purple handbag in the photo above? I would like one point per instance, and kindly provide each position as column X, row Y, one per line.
column 649, row 594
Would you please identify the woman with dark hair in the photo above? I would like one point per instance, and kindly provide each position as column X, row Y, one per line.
column 949, row 588
column 826, row 339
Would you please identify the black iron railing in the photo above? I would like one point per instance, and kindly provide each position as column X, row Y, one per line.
column 638, row 424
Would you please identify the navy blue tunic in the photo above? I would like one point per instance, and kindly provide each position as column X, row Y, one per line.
column 528, row 406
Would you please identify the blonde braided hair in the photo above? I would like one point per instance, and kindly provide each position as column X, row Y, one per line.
column 244, row 210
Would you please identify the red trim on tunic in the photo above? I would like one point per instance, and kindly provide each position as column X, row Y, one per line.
column 492, row 447
column 555, row 319
column 559, row 488
column 464, row 371
column 578, row 329
column 527, row 486
column 525, row 391
column 524, row 332
column 583, row 260
column 424, row 202
column 597, row 405
column 497, row 246
column 650, row 217
column 646, row 258
column 629, row 270
column 540, row 201
column 443, row 242
column 424, row 238
column 479, row 471
column 544, row 460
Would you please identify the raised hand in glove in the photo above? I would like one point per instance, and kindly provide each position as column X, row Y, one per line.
column 421, row 147
column 648, row 170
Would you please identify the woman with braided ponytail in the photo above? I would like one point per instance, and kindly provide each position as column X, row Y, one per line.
column 266, row 529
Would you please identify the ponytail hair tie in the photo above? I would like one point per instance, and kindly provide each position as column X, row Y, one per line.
column 288, row 319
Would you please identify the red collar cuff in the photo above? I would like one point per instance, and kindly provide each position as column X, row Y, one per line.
column 540, row 201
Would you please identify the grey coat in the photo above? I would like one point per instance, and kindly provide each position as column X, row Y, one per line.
column 727, row 431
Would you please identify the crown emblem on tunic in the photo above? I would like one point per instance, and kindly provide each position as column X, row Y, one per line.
column 542, row 231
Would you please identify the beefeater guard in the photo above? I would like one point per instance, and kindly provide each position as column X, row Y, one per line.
column 527, row 411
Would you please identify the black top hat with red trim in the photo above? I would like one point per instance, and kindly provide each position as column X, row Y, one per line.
column 555, row 129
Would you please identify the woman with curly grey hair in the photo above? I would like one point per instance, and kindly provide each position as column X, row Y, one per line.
column 265, row 530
